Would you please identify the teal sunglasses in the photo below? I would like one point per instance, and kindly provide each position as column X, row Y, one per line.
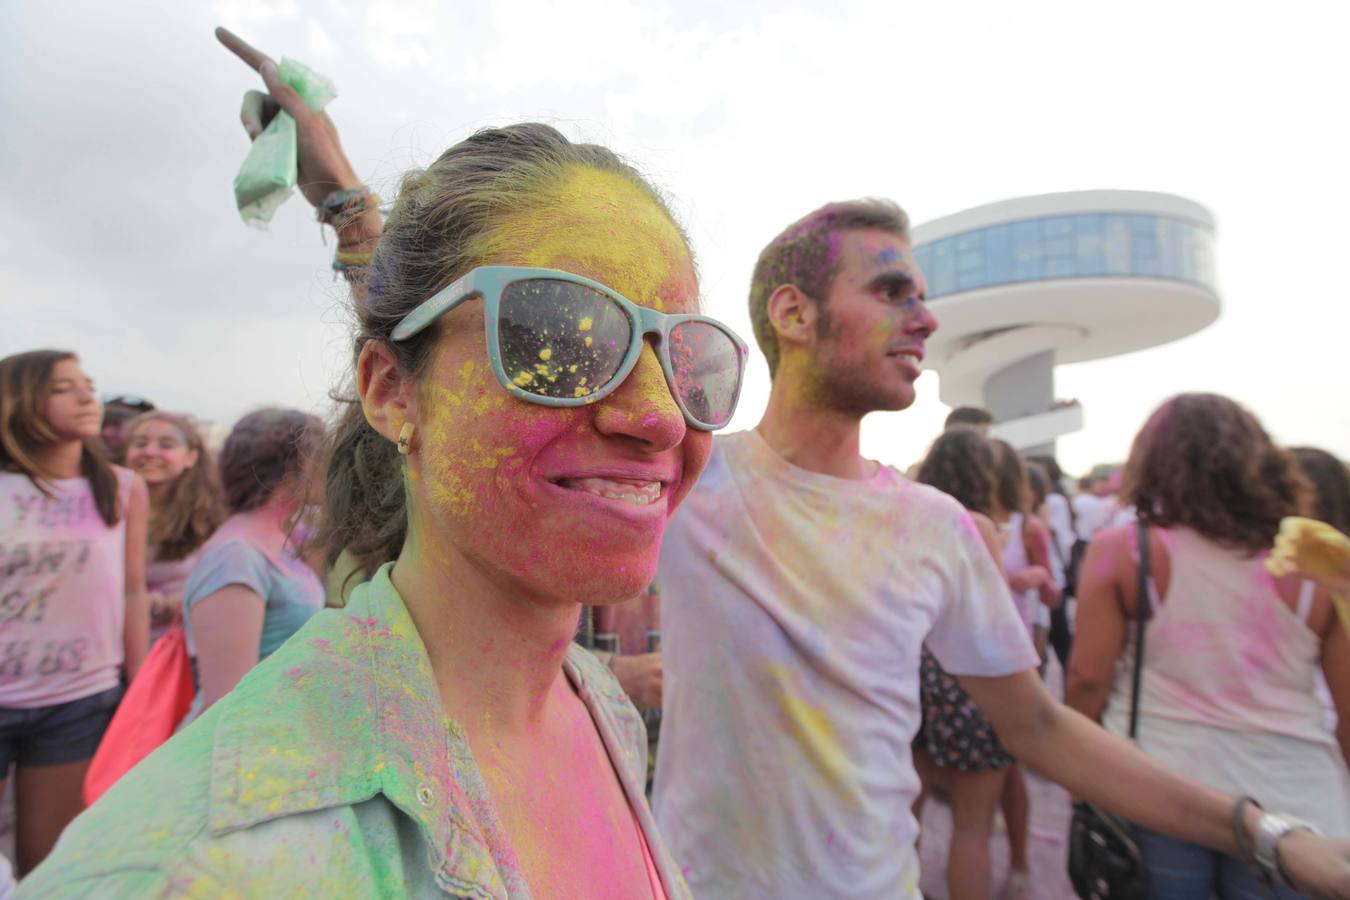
column 559, row 339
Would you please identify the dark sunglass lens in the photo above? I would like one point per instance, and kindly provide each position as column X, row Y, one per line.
column 560, row 339
column 706, row 364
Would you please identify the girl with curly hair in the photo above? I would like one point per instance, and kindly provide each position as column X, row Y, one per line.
column 1231, row 653
column 186, row 506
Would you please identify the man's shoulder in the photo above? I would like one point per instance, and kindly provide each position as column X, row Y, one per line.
column 923, row 499
column 716, row 484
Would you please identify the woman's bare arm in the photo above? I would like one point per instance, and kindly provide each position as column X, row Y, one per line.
column 1038, row 553
column 1104, row 769
column 226, row 627
column 1336, row 668
column 136, row 625
column 1099, row 634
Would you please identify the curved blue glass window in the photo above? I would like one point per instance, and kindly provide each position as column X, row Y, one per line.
column 1082, row 245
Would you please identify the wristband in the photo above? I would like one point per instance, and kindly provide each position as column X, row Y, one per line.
column 1243, row 840
column 343, row 260
column 1272, row 829
column 1261, row 850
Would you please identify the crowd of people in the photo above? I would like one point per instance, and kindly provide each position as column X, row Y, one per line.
column 414, row 639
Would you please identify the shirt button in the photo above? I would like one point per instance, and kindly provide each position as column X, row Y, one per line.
column 424, row 795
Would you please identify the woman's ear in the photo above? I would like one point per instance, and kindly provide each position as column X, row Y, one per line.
column 388, row 394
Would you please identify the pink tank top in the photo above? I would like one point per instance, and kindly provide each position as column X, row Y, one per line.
column 62, row 591
column 653, row 876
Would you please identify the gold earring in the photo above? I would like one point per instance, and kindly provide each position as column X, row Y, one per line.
column 405, row 438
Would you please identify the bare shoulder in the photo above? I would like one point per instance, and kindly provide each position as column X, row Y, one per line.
column 988, row 531
column 1037, row 527
column 1110, row 554
column 1114, row 541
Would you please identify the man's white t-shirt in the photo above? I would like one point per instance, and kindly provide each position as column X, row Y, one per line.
column 794, row 606
column 1093, row 513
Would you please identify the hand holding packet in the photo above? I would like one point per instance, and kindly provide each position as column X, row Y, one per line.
column 1316, row 550
column 269, row 172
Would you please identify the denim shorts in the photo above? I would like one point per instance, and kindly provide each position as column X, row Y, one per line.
column 54, row 735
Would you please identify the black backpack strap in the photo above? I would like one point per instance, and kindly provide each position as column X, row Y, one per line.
column 1142, row 610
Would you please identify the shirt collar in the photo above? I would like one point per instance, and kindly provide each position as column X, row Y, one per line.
column 347, row 710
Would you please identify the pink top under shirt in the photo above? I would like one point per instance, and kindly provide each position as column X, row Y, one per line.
column 653, row 876
column 62, row 591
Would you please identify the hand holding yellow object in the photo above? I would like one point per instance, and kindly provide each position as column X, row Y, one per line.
column 1314, row 550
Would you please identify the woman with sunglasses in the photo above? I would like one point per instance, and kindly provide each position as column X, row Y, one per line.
column 534, row 395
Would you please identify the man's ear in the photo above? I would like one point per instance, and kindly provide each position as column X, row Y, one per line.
column 793, row 314
column 388, row 394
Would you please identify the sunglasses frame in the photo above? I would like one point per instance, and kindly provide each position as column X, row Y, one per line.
column 490, row 282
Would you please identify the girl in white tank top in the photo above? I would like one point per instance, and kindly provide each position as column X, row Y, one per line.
column 1229, row 668
column 73, row 613
column 1227, row 693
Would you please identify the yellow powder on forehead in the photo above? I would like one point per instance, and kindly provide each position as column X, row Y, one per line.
column 601, row 225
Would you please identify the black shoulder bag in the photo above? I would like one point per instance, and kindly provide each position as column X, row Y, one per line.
column 1104, row 861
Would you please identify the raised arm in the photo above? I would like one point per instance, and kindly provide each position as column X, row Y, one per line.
column 324, row 169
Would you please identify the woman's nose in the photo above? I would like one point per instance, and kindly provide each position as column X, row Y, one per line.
column 642, row 407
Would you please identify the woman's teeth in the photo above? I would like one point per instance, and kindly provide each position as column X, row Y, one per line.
column 638, row 493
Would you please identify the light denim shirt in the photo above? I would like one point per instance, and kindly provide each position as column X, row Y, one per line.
column 331, row 770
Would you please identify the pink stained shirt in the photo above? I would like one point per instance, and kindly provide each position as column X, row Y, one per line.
column 793, row 609
column 62, row 591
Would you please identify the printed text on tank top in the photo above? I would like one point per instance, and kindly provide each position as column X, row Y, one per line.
column 62, row 591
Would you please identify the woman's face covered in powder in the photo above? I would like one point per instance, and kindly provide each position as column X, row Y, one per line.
column 562, row 503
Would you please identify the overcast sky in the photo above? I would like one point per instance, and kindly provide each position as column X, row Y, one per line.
column 120, row 139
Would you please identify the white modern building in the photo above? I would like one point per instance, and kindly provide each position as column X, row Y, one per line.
column 1023, row 285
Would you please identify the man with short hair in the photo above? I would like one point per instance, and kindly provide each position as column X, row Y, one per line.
column 976, row 417
column 799, row 581
column 117, row 412
column 1095, row 503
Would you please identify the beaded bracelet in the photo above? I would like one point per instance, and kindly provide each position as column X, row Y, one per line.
column 344, row 260
column 1246, row 847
